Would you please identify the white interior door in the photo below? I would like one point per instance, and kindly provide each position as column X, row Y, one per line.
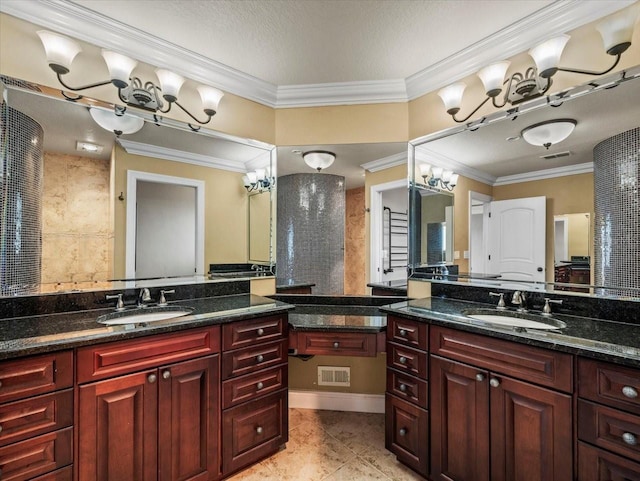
column 516, row 240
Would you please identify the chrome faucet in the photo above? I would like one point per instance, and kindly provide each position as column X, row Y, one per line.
column 143, row 297
column 501, row 305
column 520, row 299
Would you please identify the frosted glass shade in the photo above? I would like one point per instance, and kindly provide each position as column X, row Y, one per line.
column 617, row 30
column 425, row 170
column 492, row 77
column 437, row 173
column 170, row 84
column 547, row 55
column 119, row 124
column 60, row 50
column 453, row 181
column 319, row 159
column 452, row 97
column 210, row 98
column 120, row 67
column 549, row 133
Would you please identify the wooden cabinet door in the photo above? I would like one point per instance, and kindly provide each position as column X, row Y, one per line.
column 531, row 433
column 188, row 409
column 459, row 422
column 117, row 429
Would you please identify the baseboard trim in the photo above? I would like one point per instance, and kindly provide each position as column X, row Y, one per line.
column 337, row 401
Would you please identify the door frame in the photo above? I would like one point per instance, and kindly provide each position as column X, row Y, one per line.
column 133, row 177
column 484, row 198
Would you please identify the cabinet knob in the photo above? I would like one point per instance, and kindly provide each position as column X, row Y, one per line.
column 259, row 358
column 479, row 377
column 259, row 385
column 0, row 383
column 166, row 374
column 629, row 392
column 403, row 432
column 0, row 428
column 336, row 345
column 402, row 360
column 259, row 430
column 403, row 332
column 403, row 387
column 152, row 378
column 494, row 382
column 629, row 439
column 260, row 332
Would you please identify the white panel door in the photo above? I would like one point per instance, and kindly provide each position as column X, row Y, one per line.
column 516, row 247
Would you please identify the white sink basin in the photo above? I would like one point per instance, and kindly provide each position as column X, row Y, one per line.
column 143, row 315
column 519, row 320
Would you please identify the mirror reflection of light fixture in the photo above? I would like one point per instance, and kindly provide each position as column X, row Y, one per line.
column 438, row 177
column 616, row 32
column 116, row 121
column 549, row 132
column 319, row 159
column 61, row 51
column 258, row 180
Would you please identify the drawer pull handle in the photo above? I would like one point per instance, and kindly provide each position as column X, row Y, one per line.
column 479, row 377
column 494, row 382
column 336, row 345
column 629, row 439
column 403, row 432
column 260, row 332
column 403, row 332
column 259, row 385
column 152, row 378
column 629, row 392
column 166, row 375
column 0, row 428
column 259, row 430
column 403, row 387
column 259, row 358
column 402, row 360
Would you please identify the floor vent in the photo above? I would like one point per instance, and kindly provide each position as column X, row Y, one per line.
column 557, row 155
column 334, row 376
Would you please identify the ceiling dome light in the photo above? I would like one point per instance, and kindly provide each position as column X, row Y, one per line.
column 549, row 132
column 118, row 124
column 319, row 159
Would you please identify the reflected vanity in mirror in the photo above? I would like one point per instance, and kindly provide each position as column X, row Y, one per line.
column 432, row 234
column 80, row 187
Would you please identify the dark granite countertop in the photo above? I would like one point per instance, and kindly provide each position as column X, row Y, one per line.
column 612, row 341
column 22, row 336
column 337, row 318
column 292, row 284
column 398, row 285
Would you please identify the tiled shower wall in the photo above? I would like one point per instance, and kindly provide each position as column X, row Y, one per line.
column 617, row 209
column 310, row 231
column 354, row 243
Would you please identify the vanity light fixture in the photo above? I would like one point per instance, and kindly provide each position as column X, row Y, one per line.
column 549, row 132
column 61, row 51
column 258, row 180
column 438, row 177
column 616, row 32
column 319, row 159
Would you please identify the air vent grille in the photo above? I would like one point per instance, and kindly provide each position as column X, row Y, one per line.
column 334, row 376
column 557, row 155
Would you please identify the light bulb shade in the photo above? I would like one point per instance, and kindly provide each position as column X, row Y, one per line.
column 549, row 132
column 170, row 84
column 253, row 177
column 446, row 176
column 319, row 159
column 453, row 181
column 119, row 124
column 617, row 30
column 60, row 50
column 437, row 173
column 120, row 67
column 210, row 98
column 425, row 170
column 547, row 55
column 245, row 181
column 260, row 174
column 452, row 97
column 492, row 77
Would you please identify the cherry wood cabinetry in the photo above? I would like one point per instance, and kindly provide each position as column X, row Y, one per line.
column 608, row 422
column 488, row 425
column 254, row 391
column 406, row 401
column 36, row 417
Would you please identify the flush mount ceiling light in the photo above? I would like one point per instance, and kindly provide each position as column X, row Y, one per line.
column 89, row 147
column 549, row 132
column 438, row 177
column 116, row 121
column 616, row 32
column 319, row 159
column 61, row 51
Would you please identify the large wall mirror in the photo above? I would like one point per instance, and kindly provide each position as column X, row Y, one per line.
column 432, row 227
column 500, row 168
column 80, row 188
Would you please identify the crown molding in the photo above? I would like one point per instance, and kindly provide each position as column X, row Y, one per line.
column 139, row 148
column 385, row 162
column 429, row 157
column 576, row 169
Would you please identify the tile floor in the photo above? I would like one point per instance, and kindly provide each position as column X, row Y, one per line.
column 331, row 446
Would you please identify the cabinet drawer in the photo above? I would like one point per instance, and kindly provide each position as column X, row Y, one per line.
column 609, row 384
column 64, row 474
column 123, row 357
column 245, row 388
column 407, row 387
column 337, row 343
column 251, row 359
column 253, row 430
column 406, row 359
column 407, row 331
column 38, row 415
column 598, row 465
column 35, row 375
column 610, row 429
column 407, row 433
column 36, row 456
column 247, row 333
column 533, row 364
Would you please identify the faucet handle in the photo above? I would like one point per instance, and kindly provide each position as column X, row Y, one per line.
column 501, row 304
column 119, row 304
column 163, row 301
column 546, row 310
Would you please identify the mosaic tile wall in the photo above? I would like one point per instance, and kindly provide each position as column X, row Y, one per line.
column 617, row 209
column 310, row 231
column 20, row 202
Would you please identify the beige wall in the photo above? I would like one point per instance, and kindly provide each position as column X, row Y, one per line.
column 580, row 235
column 354, row 243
